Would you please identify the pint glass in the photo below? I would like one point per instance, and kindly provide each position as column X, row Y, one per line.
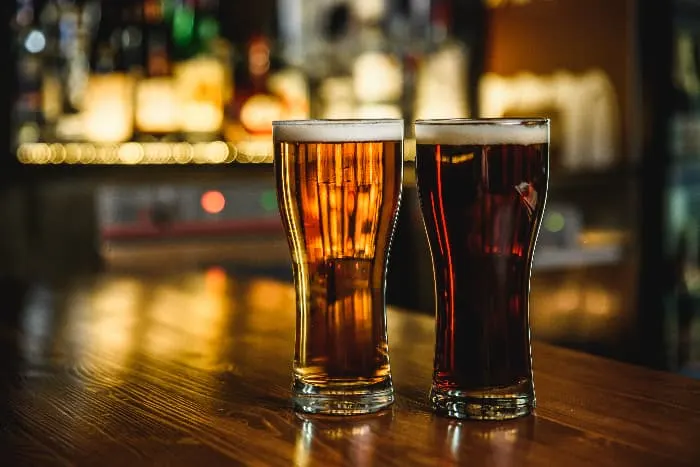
column 482, row 187
column 339, row 189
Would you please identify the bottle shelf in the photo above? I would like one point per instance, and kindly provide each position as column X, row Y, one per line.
column 247, row 151
column 135, row 153
column 549, row 258
column 685, row 173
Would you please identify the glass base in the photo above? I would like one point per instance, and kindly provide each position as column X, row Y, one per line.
column 342, row 400
column 500, row 404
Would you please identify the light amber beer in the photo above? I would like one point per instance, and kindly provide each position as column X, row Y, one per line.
column 482, row 187
column 339, row 189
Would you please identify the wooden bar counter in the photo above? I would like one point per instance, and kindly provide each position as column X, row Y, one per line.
column 195, row 370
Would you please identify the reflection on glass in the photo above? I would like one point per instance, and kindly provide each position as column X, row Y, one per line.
column 354, row 437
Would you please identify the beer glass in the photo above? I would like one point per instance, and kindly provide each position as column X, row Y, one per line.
column 339, row 188
column 482, row 187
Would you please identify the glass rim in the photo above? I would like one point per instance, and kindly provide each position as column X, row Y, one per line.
column 338, row 131
column 460, row 131
column 485, row 121
column 336, row 121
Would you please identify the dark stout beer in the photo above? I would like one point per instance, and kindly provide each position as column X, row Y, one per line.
column 339, row 187
column 482, row 189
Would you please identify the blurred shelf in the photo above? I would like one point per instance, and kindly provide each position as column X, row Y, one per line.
column 250, row 151
column 547, row 258
column 686, row 7
column 95, row 175
column 157, row 157
column 261, row 250
column 684, row 173
column 256, row 151
column 253, row 151
column 585, row 179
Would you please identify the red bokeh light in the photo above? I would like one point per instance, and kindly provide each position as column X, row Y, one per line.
column 213, row 202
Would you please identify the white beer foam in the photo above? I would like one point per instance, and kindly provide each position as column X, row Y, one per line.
column 497, row 131
column 334, row 131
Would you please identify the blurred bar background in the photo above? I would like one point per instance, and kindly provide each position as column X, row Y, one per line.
column 139, row 141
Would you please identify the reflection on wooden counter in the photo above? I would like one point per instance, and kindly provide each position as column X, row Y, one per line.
column 195, row 368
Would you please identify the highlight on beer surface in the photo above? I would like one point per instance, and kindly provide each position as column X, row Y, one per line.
column 331, row 131
column 525, row 132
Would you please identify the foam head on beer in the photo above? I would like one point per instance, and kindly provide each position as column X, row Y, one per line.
column 336, row 131
column 482, row 132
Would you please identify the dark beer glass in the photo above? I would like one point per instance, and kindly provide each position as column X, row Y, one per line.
column 482, row 186
column 339, row 188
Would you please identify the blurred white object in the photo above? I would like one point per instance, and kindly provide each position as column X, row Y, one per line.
column 377, row 77
column 586, row 105
column 441, row 90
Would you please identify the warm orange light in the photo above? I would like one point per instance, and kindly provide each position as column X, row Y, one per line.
column 213, row 202
column 216, row 279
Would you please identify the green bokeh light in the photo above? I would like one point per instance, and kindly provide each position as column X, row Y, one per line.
column 183, row 25
column 268, row 200
column 208, row 29
column 554, row 222
column 168, row 7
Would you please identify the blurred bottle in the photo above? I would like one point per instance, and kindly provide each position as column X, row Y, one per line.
column 70, row 28
column 256, row 107
column 442, row 78
column 156, row 100
column 54, row 84
column 354, row 54
column 273, row 84
column 28, row 116
column 687, row 287
column 290, row 85
column 377, row 74
column 108, row 109
column 332, row 72
column 201, row 72
column 410, row 26
column 685, row 123
column 287, row 80
column 315, row 42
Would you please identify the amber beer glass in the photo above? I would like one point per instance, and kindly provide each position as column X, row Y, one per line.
column 482, row 186
column 338, row 190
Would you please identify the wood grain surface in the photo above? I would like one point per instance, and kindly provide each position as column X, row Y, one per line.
column 194, row 370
